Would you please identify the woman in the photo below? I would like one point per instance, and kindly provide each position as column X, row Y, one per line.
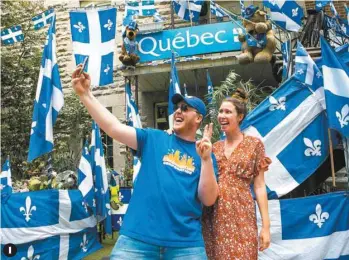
column 229, row 227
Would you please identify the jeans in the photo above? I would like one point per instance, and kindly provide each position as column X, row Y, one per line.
column 127, row 248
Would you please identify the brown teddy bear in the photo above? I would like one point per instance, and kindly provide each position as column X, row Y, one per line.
column 258, row 42
column 129, row 46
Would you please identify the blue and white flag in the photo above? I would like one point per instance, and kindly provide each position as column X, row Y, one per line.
column 336, row 85
column 188, row 10
column 174, row 89
column 242, row 7
column 306, row 70
column 209, row 88
column 287, row 14
column 293, row 127
column 48, row 100
column 217, row 10
column 320, row 4
column 48, row 224
column 42, row 19
column 118, row 215
column 85, row 177
column 311, row 228
column 93, row 35
column 12, row 35
column 133, row 119
column 347, row 12
column 285, row 49
column 5, row 176
column 141, row 8
column 333, row 9
column 99, row 171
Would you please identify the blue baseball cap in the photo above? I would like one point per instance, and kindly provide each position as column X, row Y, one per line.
column 132, row 26
column 249, row 11
column 193, row 102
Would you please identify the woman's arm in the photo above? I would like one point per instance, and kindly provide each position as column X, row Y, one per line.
column 262, row 200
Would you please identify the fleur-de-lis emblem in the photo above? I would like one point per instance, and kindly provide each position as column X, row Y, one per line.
column 33, row 126
column 318, row 74
column 79, row 26
column 84, row 243
column 84, row 204
column 294, row 12
column 300, row 72
column 107, row 205
column 319, row 217
column 277, row 104
column 108, row 25
column 120, row 221
column 28, row 209
column 121, row 196
column 191, row 15
column 343, row 116
column 107, row 69
column 314, row 149
column 30, row 254
column 94, row 203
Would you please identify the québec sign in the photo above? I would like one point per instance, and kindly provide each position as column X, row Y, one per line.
column 188, row 41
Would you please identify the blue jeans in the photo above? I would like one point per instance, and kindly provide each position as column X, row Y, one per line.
column 127, row 248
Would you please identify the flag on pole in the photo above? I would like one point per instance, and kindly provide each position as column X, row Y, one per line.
column 141, row 8
column 93, row 35
column 285, row 49
column 42, row 19
column 48, row 100
column 188, row 10
column 85, row 178
column 242, row 7
column 336, row 85
column 174, row 89
column 99, row 171
column 133, row 119
column 306, row 70
column 217, row 10
column 12, row 35
column 209, row 88
column 320, row 4
column 5, row 176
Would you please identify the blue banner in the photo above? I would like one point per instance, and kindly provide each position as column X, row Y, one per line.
column 218, row 37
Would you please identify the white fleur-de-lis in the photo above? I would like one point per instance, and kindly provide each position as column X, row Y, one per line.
column 30, row 254
column 107, row 69
column 300, row 72
column 277, row 104
column 319, row 217
column 314, row 149
column 120, row 221
column 93, row 202
column 33, row 126
column 120, row 196
column 295, row 12
column 191, row 15
column 318, row 74
column 84, row 204
column 343, row 116
column 79, row 26
column 84, row 243
column 28, row 209
column 108, row 25
column 107, row 205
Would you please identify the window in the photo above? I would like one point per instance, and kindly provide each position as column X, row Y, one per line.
column 161, row 116
column 108, row 147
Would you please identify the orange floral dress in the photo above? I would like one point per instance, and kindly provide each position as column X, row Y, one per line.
column 229, row 226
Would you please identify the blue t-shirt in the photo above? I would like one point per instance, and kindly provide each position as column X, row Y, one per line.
column 165, row 209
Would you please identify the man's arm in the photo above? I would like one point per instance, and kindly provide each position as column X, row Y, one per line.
column 105, row 120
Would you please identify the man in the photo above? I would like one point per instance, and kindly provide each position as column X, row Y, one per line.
column 177, row 176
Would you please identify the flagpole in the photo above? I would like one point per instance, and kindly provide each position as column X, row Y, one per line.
column 191, row 21
column 331, row 157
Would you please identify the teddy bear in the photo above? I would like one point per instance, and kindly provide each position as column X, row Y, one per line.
column 129, row 46
column 258, row 41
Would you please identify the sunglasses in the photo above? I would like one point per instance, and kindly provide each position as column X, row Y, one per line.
column 183, row 108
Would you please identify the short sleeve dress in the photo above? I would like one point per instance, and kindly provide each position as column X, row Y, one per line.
column 229, row 226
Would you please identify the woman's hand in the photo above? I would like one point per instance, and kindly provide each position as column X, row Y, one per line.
column 264, row 239
column 204, row 146
column 81, row 83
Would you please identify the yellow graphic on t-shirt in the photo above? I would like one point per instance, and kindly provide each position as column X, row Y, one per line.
column 182, row 163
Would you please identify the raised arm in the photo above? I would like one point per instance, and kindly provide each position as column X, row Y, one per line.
column 208, row 187
column 105, row 120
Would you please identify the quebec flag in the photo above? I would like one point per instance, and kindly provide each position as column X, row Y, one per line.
column 48, row 224
column 85, row 178
column 5, row 177
column 142, row 8
column 12, row 35
column 310, row 228
column 99, row 171
column 134, row 120
column 42, row 19
column 292, row 125
column 93, row 35
column 285, row 49
column 174, row 89
column 287, row 14
column 48, row 100
column 336, row 84
column 188, row 10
